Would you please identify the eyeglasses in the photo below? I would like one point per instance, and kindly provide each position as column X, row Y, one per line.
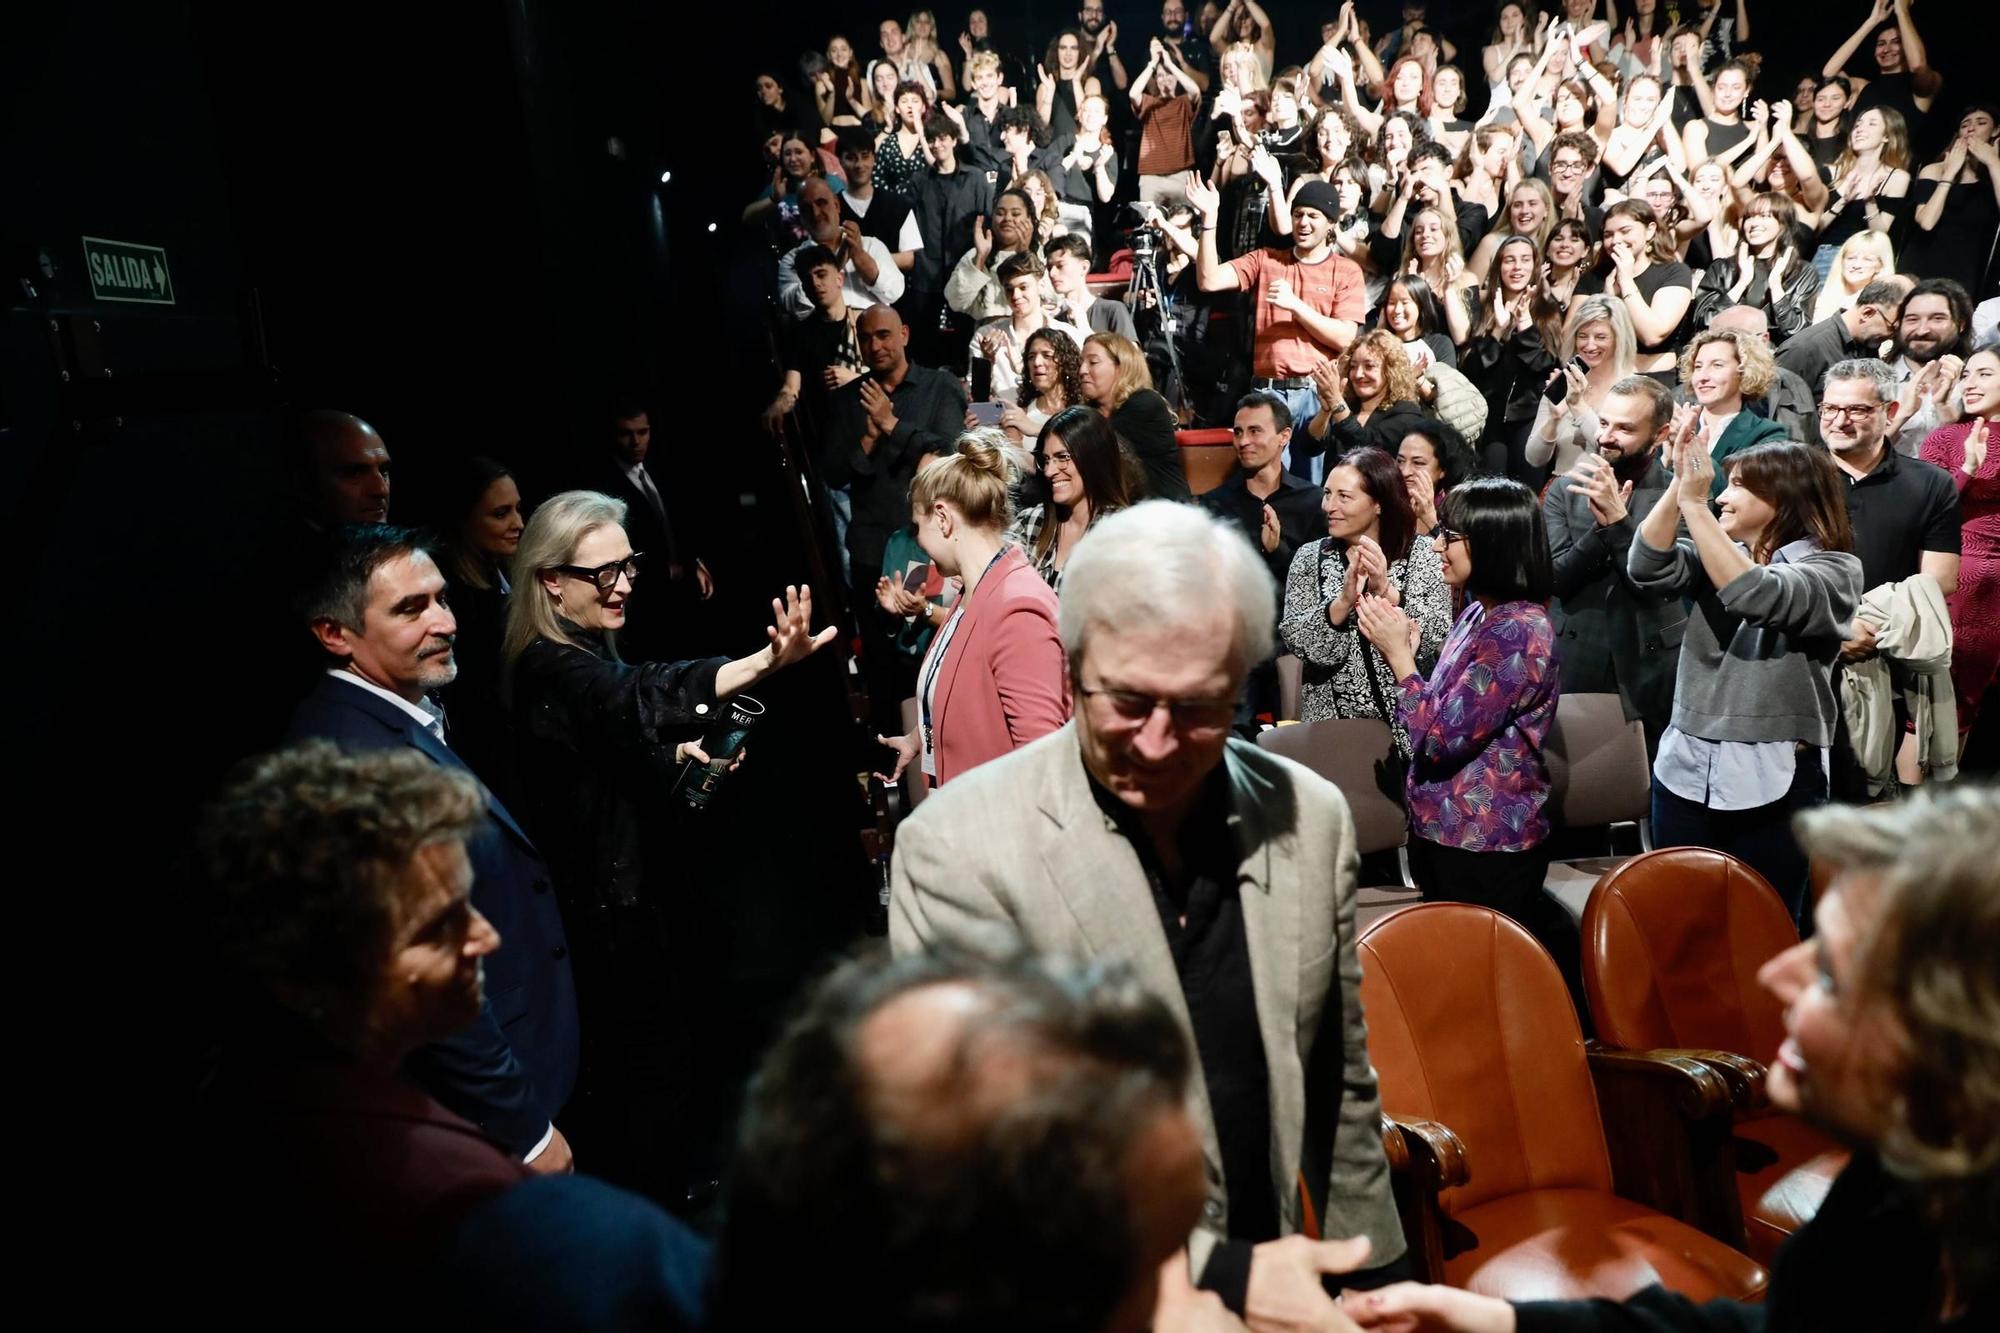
column 1445, row 536
column 1191, row 717
column 605, row 577
column 1056, row 460
column 1566, row 168
column 1853, row 412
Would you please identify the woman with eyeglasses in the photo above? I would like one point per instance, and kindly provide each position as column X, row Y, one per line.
column 1085, row 473
column 994, row 677
column 1370, row 548
column 601, row 742
column 1478, row 785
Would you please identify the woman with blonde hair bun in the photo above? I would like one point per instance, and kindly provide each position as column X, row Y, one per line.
column 994, row 678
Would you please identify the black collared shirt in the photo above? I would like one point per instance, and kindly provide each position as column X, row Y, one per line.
column 1901, row 509
column 1296, row 504
column 1201, row 912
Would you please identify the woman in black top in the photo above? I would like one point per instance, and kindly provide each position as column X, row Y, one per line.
column 1958, row 211
column 1825, row 135
column 1640, row 269
column 601, row 743
column 482, row 522
column 1510, row 354
column 1118, row 383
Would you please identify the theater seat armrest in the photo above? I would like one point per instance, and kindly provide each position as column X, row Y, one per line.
column 1696, row 1088
column 1668, row 1120
column 1744, row 1076
column 1433, row 1155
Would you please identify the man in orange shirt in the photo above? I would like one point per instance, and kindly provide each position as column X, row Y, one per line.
column 1310, row 301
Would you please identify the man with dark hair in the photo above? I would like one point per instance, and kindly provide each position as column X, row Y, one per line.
column 1014, row 135
column 945, row 1142
column 1905, row 515
column 378, row 614
column 1572, row 154
column 1309, row 302
column 950, row 196
column 1932, row 341
column 1190, row 48
column 1845, row 335
column 868, row 269
column 882, row 215
column 877, row 428
column 340, row 470
column 1612, row 636
column 1069, row 270
column 1274, row 510
column 819, row 352
column 336, row 894
column 661, row 518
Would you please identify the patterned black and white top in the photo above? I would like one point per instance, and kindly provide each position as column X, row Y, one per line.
column 1338, row 660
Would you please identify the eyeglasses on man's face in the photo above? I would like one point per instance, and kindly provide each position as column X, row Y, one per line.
column 1132, row 709
column 605, row 577
column 1851, row 411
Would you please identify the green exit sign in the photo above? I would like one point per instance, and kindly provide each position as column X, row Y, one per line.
column 122, row 271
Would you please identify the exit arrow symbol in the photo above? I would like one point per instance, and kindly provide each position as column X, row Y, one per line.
column 159, row 276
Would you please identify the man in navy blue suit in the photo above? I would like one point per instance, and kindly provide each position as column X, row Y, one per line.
column 378, row 612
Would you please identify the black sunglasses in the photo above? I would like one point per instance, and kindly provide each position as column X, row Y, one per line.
column 605, row 577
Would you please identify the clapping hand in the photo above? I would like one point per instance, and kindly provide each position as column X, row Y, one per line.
column 982, row 241
column 1268, row 533
column 1423, row 498
column 1693, row 468
column 1204, row 196
column 1267, row 167
column 1975, row 445
column 1328, row 380
column 893, row 597
column 1594, row 479
column 1367, row 553
column 792, row 639
column 879, row 408
column 1393, row 633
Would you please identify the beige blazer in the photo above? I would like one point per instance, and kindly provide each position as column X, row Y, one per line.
column 1017, row 850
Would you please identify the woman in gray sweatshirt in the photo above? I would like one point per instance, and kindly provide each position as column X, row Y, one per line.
column 1772, row 584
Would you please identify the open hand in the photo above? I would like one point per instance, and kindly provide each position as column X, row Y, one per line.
column 792, row 639
column 1327, row 379
column 982, row 241
column 1975, row 444
column 1204, row 196
column 904, row 748
column 1419, row 1307
column 1268, row 533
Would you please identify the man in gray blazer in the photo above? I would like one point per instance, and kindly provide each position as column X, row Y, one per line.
column 1610, row 635
column 1223, row 875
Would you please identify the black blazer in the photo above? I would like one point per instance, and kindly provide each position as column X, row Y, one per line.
column 665, row 613
column 512, row 1070
column 1611, row 635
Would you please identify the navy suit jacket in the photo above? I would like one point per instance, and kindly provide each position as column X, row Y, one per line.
column 511, row 1071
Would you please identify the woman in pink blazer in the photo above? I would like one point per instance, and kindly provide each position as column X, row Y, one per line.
column 994, row 678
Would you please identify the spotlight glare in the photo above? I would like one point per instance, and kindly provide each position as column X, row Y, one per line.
column 666, row 177
column 711, row 226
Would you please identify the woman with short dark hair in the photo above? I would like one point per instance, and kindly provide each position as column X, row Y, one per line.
column 1773, row 585
column 1478, row 785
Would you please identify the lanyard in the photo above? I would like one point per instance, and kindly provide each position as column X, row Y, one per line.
column 941, row 645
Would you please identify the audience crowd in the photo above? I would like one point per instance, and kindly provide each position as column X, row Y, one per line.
column 1151, row 390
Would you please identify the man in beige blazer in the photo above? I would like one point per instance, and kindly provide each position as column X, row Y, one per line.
column 1223, row 875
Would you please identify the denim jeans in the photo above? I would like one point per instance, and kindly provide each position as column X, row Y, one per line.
column 1761, row 838
column 1304, row 405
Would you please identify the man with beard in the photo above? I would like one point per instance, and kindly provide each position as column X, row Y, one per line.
column 1309, row 301
column 869, row 272
column 1612, row 635
column 1103, row 39
column 1192, row 56
column 1929, row 355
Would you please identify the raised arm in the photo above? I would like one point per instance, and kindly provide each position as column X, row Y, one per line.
column 1924, row 81
column 1225, row 23
column 1267, row 37
column 1835, row 63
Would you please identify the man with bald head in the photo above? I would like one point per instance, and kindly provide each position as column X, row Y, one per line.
column 869, row 272
column 878, row 426
column 1790, row 402
column 947, row 1142
column 340, row 470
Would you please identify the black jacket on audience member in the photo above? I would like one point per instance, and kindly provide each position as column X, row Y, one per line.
column 1384, row 430
column 1146, row 424
column 1295, row 502
column 511, row 1072
column 665, row 613
column 930, row 413
column 1510, row 372
column 946, row 206
column 1610, row 635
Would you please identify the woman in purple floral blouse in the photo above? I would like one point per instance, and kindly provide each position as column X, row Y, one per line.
column 1478, row 786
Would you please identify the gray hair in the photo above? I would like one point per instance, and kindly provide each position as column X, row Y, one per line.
column 558, row 527
column 1868, row 368
column 1161, row 564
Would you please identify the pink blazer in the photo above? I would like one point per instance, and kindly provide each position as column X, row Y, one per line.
column 1004, row 681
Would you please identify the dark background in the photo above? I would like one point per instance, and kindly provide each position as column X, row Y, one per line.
column 447, row 219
